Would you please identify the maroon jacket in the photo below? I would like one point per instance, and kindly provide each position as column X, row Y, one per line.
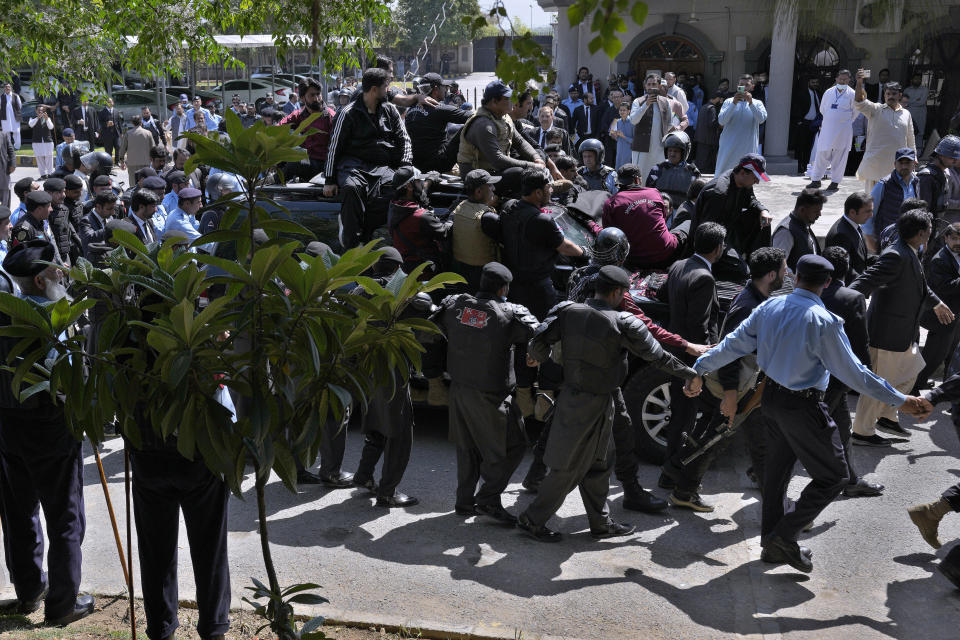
column 641, row 214
column 317, row 144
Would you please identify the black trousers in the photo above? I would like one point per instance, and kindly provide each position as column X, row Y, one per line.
column 799, row 429
column 164, row 483
column 803, row 145
column 302, row 171
column 396, row 455
column 938, row 350
column 333, row 444
column 755, row 430
column 112, row 147
column 688, row 476
column 364, row 206
column 41, row 465
column 477, row 462
column 952, row 496
column 539, row 297
column 836, row 401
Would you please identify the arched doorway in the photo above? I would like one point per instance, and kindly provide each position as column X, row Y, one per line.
column 667, row 53
column 934, row 58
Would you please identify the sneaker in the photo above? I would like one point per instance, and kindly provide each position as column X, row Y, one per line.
column 691, row 501
column 870, row 441
column 889, row 426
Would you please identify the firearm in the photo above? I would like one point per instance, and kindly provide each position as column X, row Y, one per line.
column 727, row 429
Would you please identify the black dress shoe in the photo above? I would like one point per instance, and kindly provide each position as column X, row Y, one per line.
column 766, row 555
column 612, row 530
column 397, row 500
column 308, row 477
column 22, row 607
column 367, row 484
column 833, row 186
column 541, row 533
column 780, row 551
column 639, row 499
column 863, row 488
column 465, row 510
column 813, row 185
column 666, row 482
column 338, row 480
column 81, row 609
column 889, row 426
column 870, row 441
column 498, row 513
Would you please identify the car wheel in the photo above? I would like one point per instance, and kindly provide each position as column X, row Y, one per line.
column 647, row 395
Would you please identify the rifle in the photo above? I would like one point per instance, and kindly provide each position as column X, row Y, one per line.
column 727, row 429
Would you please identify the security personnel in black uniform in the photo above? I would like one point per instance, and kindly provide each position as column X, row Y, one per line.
column 595, row 340
column 41, row 464
column 31, row 225
column 481, row 332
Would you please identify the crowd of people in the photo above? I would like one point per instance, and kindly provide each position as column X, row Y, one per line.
column 795, row 339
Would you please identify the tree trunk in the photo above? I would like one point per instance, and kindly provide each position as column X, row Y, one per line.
column 280, row 621
column 779, row 94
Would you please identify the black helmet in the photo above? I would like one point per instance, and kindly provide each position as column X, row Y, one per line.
column 591, row 144
column 99, row 161
column 679, row 140
column 611, row 246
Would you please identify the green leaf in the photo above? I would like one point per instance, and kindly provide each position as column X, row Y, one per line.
column 639, row 12
column 612, row 46
column 576, row 12
column 308, row 598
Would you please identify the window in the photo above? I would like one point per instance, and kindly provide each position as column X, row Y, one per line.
column 667, row 53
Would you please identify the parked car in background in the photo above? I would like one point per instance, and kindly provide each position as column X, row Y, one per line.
column 209, row 99
column 129, row 102
column 27, row 111
column 255, row 90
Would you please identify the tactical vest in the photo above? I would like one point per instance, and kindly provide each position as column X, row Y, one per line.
column 593, row 359
column 889, row 210
column 674, row 179
column 937, row 176
column 596, row 180
column 479, row 341
column 528, row 262
column 471, row 246
column 469, row 154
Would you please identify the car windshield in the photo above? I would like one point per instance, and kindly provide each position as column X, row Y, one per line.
column 572, row 229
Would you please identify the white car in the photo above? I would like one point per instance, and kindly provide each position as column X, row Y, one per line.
column 254, row 90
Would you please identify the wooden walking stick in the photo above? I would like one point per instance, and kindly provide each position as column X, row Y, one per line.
column 113, row 517
column 126, row 481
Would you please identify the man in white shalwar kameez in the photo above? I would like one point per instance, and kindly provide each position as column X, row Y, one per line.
column 836, row 132
column 740, row 117
column 889, row 127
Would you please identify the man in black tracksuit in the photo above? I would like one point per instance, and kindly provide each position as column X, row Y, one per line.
column 481, row 333
column 368, row 144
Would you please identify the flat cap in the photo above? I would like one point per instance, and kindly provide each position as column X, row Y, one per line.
column 154, row 182
column 54, row 184
column 494, row 275
column 177, row 177
column 614, row 275
column 812, row 266
column 189, row 193
column 26, row 259
column 37, row 198
column 73, row 182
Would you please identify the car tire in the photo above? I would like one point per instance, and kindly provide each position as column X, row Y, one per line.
column 647, row 396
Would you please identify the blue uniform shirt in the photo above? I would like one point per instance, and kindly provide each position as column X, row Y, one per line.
column 170, row 201
column 180, row 220
column 799, row 344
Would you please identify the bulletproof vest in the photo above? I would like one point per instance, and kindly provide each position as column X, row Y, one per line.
column 479, row 349
column 935, row 175
column 596, row 180
column 889, row 210
column 675, row 180
column 470, row 155
column 528, row 262
column 803, row 241
column 593, row 358
column 471, row 245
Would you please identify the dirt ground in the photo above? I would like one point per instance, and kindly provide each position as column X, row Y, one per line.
column 110, row 621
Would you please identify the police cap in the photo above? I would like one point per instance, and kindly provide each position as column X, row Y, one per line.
column 68, row 133
column 54, row 184
column 390, row 254
column 176, row 177
column 477, row 178
column 493, row 276
column 906, row 152
column 101, row 181
column 189, row 193
column 73, row 182
column 26, row 259
column 614, row 276
column 38, row 198
column 4, row 212
column 154, row 182
column 812, row 266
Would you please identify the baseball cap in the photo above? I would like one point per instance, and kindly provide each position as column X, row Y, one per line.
column 68, row 132
column 496, row 89
column 756, row 163
column 906, row 152
column 405, row 175
column 477, row 178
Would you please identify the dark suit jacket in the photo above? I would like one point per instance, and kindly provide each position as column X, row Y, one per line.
column 580, row 121
column 944, row 280
column 842, row 234
column 113, row 133
column 565, row 145
column 91, row 230
column 139, row 232
column 691, row 292
column 851, row 306
column 899, row 294
column 91, row 123
column 153, row 127
column 607, row 116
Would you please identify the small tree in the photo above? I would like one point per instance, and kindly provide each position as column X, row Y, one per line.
column 284, row 337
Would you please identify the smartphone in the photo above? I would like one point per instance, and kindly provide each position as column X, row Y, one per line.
column 741, row 88
column 866, row 73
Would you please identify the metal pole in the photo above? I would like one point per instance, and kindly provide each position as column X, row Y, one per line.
column 113, row 517
column 126, row 479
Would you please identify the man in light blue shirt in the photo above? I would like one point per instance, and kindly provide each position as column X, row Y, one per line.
column 68, row 139
column 198, row 113
column 184, row 217
column 799, row 344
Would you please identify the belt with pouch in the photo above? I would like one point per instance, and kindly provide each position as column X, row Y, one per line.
column 810, row 393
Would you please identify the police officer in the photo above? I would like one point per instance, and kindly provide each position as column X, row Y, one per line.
column 599, row 176
column 481, row 332
column 594, row 339
column 33, row 224
column 532, row 243
column 674, row 175
column 42, row 466
column 799, row 344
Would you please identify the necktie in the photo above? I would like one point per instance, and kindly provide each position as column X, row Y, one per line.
column 543, row 138
column 588, row 119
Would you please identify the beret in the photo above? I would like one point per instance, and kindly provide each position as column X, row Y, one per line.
column 614, row 275
column 176, row 177
column 54, row 184
column 38, row 198
column 73, row 182
column 154, row 182
column 189, row 193
column 26, row 258
column 101, row 181
column 812, row 265
column 494, row 273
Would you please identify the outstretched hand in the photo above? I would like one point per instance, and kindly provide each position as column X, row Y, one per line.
column 698, row 350
column 692, row 388
column 919, row 408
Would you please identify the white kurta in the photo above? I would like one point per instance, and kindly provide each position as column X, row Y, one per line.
column 836, row 133
column 917, row 105
column 646, row 160
column 887, row 131
column 741, row 131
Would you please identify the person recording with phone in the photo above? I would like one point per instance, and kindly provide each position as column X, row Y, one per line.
column 42, row 125
column 653, row 115
column 740, row 117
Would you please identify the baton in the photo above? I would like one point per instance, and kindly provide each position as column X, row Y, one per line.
column 113, row 517
column 752, row 403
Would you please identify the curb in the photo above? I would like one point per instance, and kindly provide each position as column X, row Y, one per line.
column 431, row 628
